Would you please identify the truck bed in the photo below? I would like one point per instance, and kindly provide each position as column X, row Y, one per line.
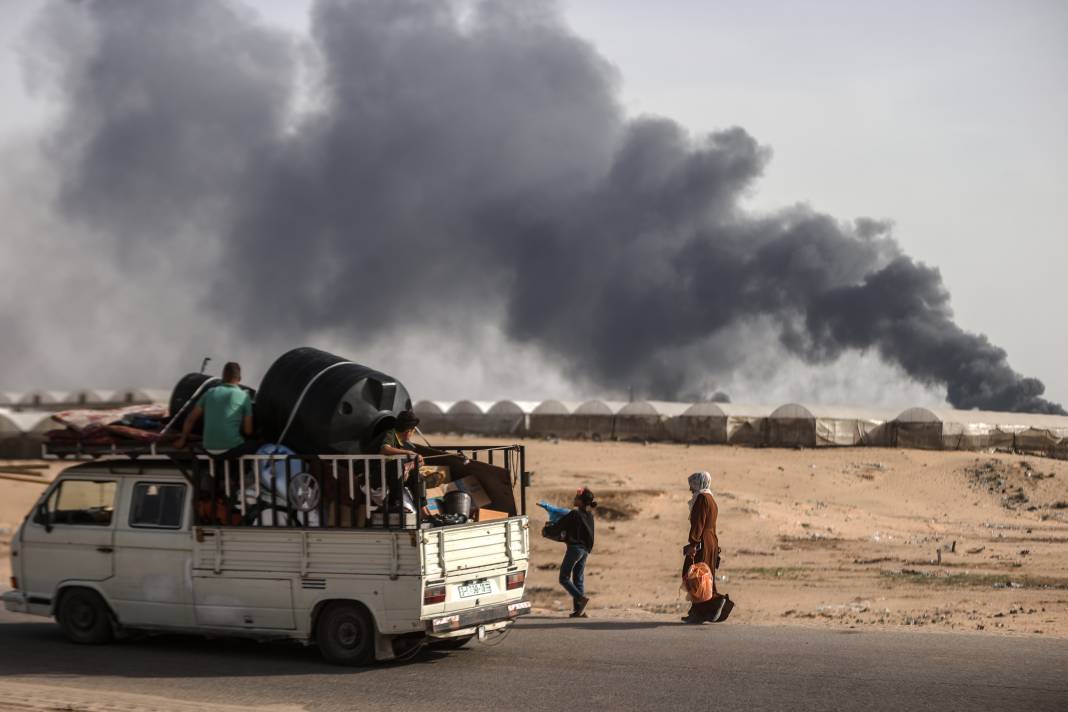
column 433, row 553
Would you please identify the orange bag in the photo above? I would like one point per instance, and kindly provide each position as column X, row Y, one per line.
column 698, row 582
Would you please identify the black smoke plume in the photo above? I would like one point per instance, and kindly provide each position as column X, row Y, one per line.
column 447, row 165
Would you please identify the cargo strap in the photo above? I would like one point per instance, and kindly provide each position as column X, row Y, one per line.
column 296, row 406
column 191, row 401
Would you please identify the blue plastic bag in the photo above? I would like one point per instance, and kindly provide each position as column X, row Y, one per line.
column 555, row 513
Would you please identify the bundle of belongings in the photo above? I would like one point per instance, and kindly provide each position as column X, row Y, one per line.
column 555, row 513
column 439, row 484
column 136, row 424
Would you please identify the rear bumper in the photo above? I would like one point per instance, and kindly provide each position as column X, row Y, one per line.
column 15, row 601
column 479, row 616
column 22, row 602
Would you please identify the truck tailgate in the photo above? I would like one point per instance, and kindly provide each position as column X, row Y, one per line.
column 448, row 551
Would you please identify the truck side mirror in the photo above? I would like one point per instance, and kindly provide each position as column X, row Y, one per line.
column 44, row 517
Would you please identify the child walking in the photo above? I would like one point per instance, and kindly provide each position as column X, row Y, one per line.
column 576, row 529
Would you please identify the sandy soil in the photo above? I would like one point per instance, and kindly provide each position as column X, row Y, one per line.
column 842, row 537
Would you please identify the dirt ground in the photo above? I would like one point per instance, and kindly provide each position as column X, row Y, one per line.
column 830, row 537
column 842, row 537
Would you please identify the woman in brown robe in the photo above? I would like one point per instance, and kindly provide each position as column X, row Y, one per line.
column 703, row 543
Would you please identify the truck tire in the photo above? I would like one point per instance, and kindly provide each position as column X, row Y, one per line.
column 345, row 634
column 84, row 617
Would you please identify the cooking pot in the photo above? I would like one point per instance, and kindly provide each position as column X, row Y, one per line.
column 457, row 502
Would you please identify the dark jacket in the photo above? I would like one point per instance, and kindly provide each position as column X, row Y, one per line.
column 577, row 528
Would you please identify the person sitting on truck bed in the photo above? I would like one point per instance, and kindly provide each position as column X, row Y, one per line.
column 227, row 411
column 398, row 440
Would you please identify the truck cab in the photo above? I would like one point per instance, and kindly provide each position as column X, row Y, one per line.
column 316, row 549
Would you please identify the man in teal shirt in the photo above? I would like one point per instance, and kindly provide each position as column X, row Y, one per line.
column 227, row 411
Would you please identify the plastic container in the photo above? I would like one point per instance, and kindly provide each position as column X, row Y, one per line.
column 332, row 406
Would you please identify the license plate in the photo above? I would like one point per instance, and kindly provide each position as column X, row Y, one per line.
column 476, row 588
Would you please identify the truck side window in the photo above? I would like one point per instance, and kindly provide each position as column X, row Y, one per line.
column 157, row 505
column 79, row 502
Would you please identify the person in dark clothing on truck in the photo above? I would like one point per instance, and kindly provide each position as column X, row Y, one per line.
column 576, row 529
column 398, row 440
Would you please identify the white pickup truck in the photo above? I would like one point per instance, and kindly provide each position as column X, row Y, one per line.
column 152, row 544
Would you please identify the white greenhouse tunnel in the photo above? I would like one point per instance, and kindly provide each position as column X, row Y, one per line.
column 26, row 417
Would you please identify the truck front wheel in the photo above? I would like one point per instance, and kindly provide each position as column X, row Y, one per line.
column 345, row 634
column 84, row 617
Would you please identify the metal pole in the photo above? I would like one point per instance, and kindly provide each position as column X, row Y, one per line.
column 214, row 516
column 322, row 493
column 352, row 498
column 367, row 495
column 241, row 488
column 273, row 488
column 523, row 477
column 420, row 498
column 337, row 496
column 289, row 508
column 226, row 479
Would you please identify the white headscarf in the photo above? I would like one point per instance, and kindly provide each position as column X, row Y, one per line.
column 700, row 483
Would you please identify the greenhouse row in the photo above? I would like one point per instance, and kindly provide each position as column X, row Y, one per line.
column 790, row 425
column 86, row 398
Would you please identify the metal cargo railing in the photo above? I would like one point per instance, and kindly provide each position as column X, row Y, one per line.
column 310, row 491
column 322, row 491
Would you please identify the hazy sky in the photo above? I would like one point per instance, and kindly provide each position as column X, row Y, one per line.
column 945, row 117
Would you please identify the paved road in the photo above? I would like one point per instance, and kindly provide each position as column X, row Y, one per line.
column 557, row 664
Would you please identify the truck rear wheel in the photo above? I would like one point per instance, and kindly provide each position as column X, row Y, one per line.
column 84, row 617
column 345, row 634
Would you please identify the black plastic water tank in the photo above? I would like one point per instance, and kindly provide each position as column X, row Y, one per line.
column 184, row 390
column 346, row 406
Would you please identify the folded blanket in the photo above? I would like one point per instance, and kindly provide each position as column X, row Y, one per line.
column 86, row 419
column 142, row 422
column 127, row 433
column 98, row 436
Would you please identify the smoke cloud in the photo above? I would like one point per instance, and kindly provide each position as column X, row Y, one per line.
column 449, row 166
